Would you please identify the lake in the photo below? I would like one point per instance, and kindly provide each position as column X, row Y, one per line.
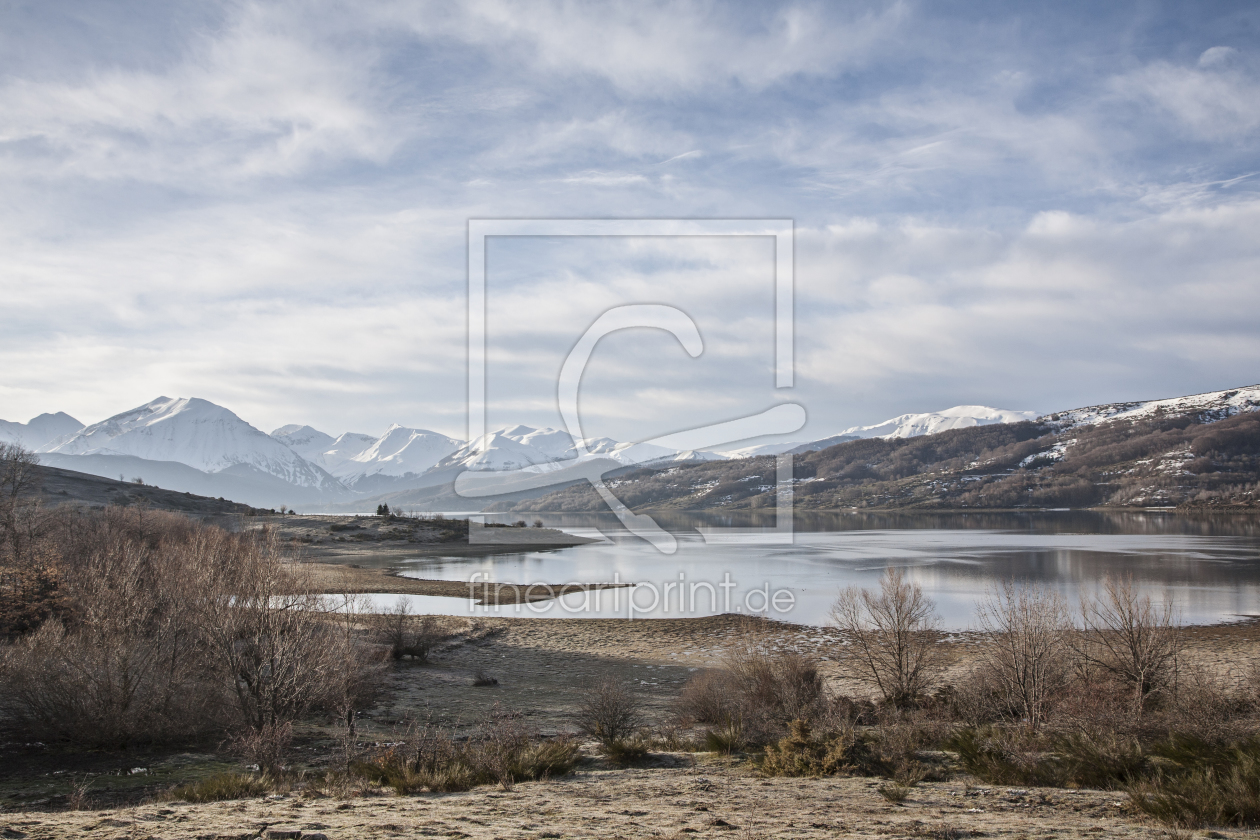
column 1209, row 566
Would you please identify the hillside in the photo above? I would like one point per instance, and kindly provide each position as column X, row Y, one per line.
column 1196, row 452
column 58, row 486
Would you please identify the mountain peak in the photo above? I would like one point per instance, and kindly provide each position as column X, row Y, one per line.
column 195, row 432
column 932, row 422
column 40, row 431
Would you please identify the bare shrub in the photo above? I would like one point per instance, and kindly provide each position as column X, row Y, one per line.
column 769, row 688
column 173, row 629
column 279, row 646
column 1024, row 651
column 266, row 747
column 126, row 665
column 708, row 697
column 892, row 638
column 609, row 712
column 1207, row 707
column 31, row 589
column 1131, row 638
column 408, row 636
column 1097, row 702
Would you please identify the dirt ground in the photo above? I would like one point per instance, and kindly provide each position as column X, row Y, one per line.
column 542, row 666
column 708, row 797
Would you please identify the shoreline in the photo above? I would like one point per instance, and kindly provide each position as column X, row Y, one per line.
column 340, row 579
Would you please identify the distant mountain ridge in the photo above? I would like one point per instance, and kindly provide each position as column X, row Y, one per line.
column 194, row 445
column 40, row 430
column 1200, row 452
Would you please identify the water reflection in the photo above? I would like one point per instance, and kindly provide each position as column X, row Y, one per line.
column 1209, row 566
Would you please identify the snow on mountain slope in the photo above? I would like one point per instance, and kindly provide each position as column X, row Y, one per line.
column 305, row 441
column 521, row 447
column 400, row 451
column 905, row 426
column 347, row 445
column 40, row 431
column 197, row 433
column 1216, row 404
column 958, row 417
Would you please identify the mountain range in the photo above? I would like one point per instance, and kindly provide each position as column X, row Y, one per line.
column 193, row 445
column 1196, row 453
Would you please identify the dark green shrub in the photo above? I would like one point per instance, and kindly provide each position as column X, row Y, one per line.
column 626, row 751
column 803, row 754
column 1006, row 757
column 1199, row 783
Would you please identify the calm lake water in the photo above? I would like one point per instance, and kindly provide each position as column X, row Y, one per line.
column 1210, row 567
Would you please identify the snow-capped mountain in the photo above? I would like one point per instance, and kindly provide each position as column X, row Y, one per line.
column 1216, row 405
column 40, row 431
column 399, row 452
column 347, row 445
column 196, row 433
column 958, row 417
column 522, row 447
column 305, row 441
column 904, row 426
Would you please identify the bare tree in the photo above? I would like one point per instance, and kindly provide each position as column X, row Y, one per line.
column 609, row 712
column 272, row 637
column 20, row 520
column 1024, row 651
column 892, row 637
column 1131, row 638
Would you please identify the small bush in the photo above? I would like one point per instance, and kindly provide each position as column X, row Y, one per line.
column 802, row 754
column 626, row 751
column 708, row 697
column 505, row 753
column 894, row 793
column 410, row 636
column 609, row 712
column 1000, row 757
column 726, row 739
column 546, row 759
column 220, row 787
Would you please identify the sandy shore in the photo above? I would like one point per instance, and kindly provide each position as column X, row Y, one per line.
column 337, row 579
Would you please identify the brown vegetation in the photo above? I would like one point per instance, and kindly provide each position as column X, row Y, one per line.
column 130, row 626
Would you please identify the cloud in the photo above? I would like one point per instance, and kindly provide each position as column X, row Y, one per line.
column 254, row 101
column 681, row 46
column 1216, row 100
column 1070, row 310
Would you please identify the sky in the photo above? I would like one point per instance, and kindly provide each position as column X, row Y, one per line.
column 1027, row 206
